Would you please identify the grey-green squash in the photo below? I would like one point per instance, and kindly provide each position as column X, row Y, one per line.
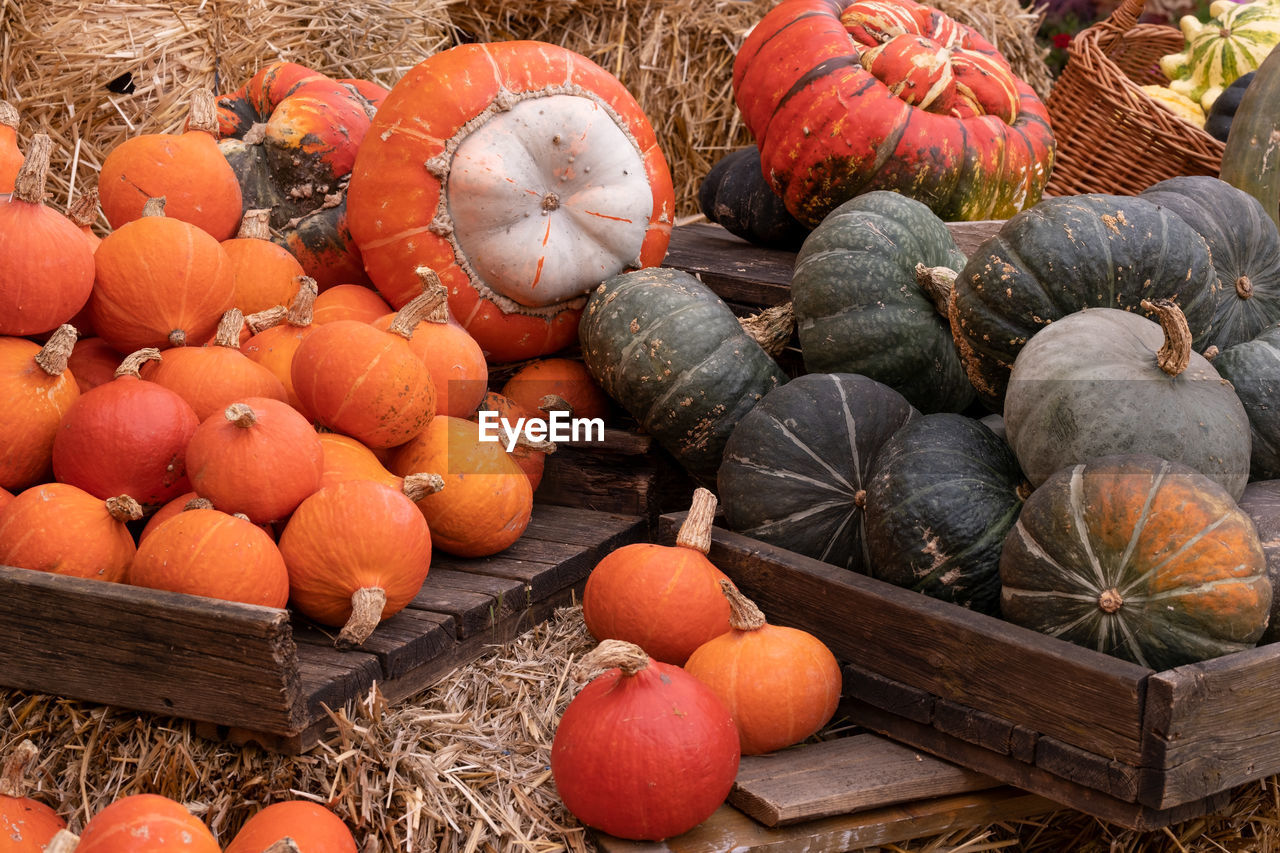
column 1261, row 502
column 1253, row 369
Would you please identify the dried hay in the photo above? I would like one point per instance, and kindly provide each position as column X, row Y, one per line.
column 675, row 56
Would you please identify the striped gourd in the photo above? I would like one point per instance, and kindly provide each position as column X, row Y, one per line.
column 1232, row 42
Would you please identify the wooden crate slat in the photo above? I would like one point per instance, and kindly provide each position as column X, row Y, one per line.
column 842, row 776
column 730, row 829
column 978, row 661
column 475, row 602
column 166, row 653
column 736, row 270
column 598, row 530
column 400, row 643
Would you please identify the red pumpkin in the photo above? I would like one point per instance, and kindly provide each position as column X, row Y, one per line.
column 314, row 828
column 830, row 89
column 290, row 135
column 38, row 390
column 26, row 825
column 92, row 362
column 524, row 175
column 664, row 598
column 357, row 552
column 10, row 155
column 645, row 751
column 126, row 437
column 62, row 529
column 47, row 272
column 186, row 169
column 146, row 823
column 266, row 274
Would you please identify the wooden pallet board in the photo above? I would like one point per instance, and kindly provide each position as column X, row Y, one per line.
column 263, row 675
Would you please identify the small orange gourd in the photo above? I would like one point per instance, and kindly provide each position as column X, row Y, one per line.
column 530, row 456
column 62, row 529
column 26, row 825
column 186, row 168
column 313, row 828
column 357, row 553
column 38, row 390
column 274, row 346
column 266, row 273
column 146, row 823
column 93, row 361
column 204, row 551
column 780, row 684
column 566, row 378
column 664, row 598
column 347, row 459
column 10, row 154
column 258, row 457
column 349, row 302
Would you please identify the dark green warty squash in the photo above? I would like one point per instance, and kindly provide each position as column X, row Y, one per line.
column 1102, row 381
column 1217, row 122
column 671, row 353
column 795, row 468
column 1261, row 502
column 862, row 307
column 735, row 195
column 1249, row 158
column 1244, row 245
column 1140, row 558
column 942, row 494
column 1253, row 369
column 1068, row 253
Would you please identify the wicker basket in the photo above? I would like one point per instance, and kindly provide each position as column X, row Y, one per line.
column 1111, row 137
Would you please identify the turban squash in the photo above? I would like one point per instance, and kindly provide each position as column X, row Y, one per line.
column 524, row 175
column 844, row 97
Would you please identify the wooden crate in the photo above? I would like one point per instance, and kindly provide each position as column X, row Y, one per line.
column 1140, row 748
column 259, row 674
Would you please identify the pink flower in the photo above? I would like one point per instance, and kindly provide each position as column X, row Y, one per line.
column 1061, row 40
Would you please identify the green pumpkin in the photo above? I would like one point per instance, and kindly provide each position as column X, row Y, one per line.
column 1253, row 369
column 861, row 306
column 671, row 353
column 1137, row 557
column 942, row 494
column 1244, row 245
column 1068, row 253
column 1102, row 381
column 1249, row 157
column 1261, row 502
column 796, row 465
column 735, row 195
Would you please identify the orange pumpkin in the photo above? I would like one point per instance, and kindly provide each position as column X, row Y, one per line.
column 258, row 457
column 93, row 361
column 47, row 272
column 531, row 457
column 314, row 828
column 566, row 378
column 780, row 684
column 10, row 154
column 349, row 302
column 38, row 390
column 266, row 274
column 486, row 502
column 357, row 553
column 186, row 169
column 664, row 598
column 62, row 529
column 160, row 282
column 204, row 551
column 345, row 458
column 26, row 825
column 146, row 823
column 274, row 346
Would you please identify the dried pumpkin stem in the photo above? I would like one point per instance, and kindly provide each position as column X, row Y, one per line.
column 743, row 613
column 1110, row 600
column 14, row 770
column 132, row 364
column 527, row 443
column 554, row 403
column 695, row 533
column 197, row 503
column 154, row 206
column 625, row 656
column 1175, row 355
column 260, row 321
column 771, row 328
column 29, row 184
column 367, row 604
column 284, row 845
column 303, row 308
column 417, row 310
column 431, row 283
column 255, row 224
column 1244, row 287
column 124, row 508
column 63, row 841
column 418, row 486
column 8, row 114
column 204, row 112
column 241, row 414
column 937, row 283
column 84, row 210
column 56, row 352
column 229, row 329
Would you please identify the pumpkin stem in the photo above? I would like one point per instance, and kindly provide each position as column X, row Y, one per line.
column 132, row 364
column 366, row 612
column 937, row 283
column 14, row 770
column 860, row 499
column 418, row 486
column 1211, row 353
column 430, row 282
column 542, row 446
column 29, row 184
column 417, row 310
column 695, row 533
column 1110, row 600
column 55, row 353
column 229, row 329
column 241, row 414
column 154, row 206
column 84, row 210
column 1175, row 355
column 267, row 318
column 178, row 338
column 124, row 509
column 8, row 114
column 284, row 845
column 197, row 503
column 255, row 224
column 1244, row 287
column 203, row 114
column 554, row 403
column 770, row 328
column 627, row 657
column 744, row 615
column 302, row 310
column 63, row 841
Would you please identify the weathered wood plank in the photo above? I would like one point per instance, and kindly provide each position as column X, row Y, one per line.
column 736, row 270
column 894, row 696
column 475, row 602
column 601, row 531
column 400, row 643
column 842, row 776
column 1212, row 725
column 148, row 650
column 1095, row 701
column 1114, row 778
column 729, row 829
column 646, row 484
